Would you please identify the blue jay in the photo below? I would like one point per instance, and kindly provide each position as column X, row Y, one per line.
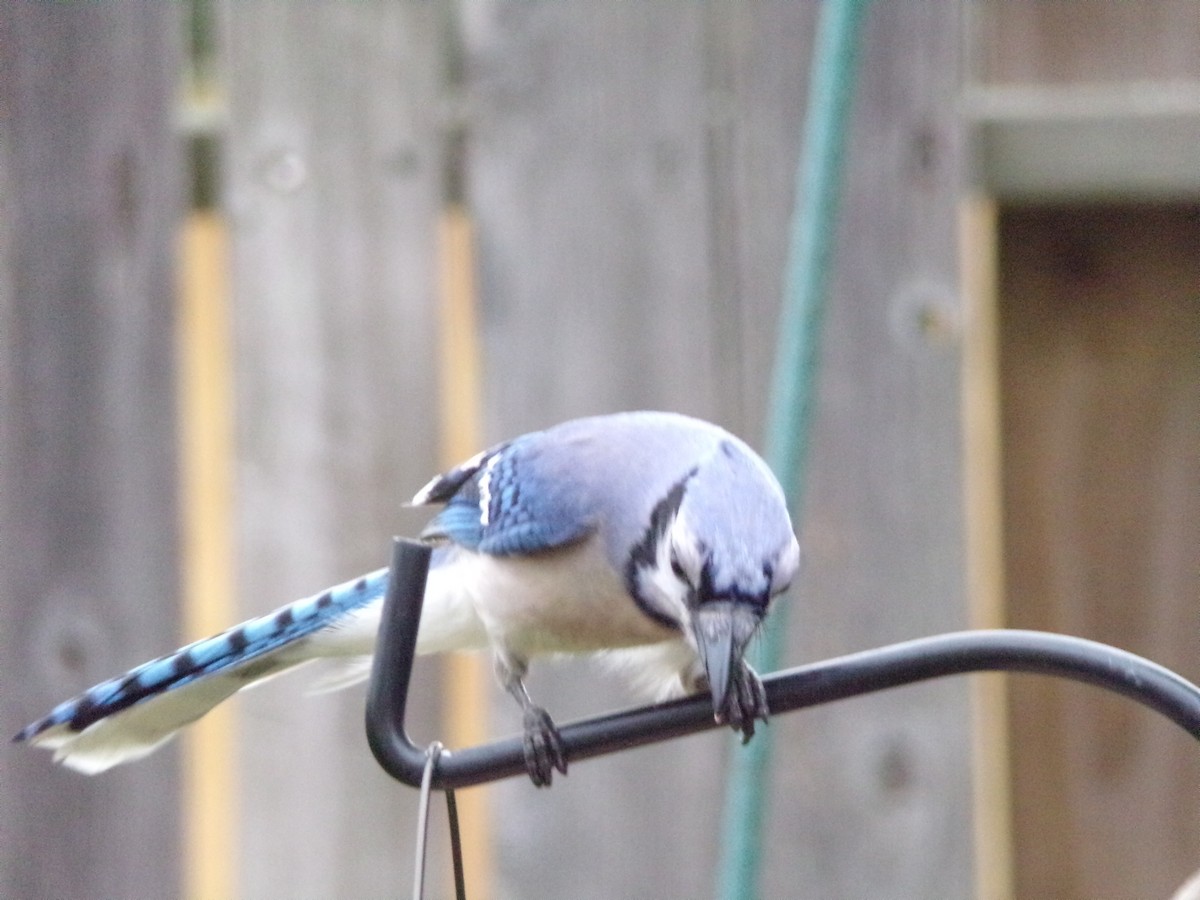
column 659, row 538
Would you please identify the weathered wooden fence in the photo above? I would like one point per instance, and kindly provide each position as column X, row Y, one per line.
column 629, row 172
column 90, row 205
column 629, row 168
column 332, row 195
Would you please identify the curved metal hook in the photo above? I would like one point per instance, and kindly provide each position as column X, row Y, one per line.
column 811, row 685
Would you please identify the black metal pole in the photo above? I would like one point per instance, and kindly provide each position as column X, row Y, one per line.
column 805, row 686
column 391, row 669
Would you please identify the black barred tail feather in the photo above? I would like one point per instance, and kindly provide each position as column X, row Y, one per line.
column 127, row 717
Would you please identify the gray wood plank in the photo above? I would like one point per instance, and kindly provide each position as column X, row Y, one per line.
column 333, row 195
column 589, row 181
column 1027, row 42
column 631, row 171
column 587, row 173
column 1101, row 377
column 90, row 199
column 873, row 796
column 1121, row 80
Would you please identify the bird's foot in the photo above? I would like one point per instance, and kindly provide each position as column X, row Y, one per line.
column 746, row 701
column 543, row 747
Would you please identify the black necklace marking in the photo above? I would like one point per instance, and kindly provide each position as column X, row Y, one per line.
column 644, row 554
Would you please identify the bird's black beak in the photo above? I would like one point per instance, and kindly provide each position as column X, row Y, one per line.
column 722, row 629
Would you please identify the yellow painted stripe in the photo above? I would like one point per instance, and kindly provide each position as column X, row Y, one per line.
column 984, row 543
column 467, row 677
column 206, row 496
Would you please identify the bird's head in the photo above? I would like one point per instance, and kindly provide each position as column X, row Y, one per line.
column 719, row 549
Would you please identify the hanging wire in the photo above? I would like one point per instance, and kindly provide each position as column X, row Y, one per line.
column 456, row 850
column 431, row 758
column 433, row 754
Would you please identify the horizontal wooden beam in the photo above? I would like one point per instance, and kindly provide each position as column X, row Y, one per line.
column 1124, row 140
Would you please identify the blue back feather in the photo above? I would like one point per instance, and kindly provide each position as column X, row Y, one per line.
column 513, row 502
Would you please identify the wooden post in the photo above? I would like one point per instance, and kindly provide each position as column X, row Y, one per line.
column 1100, row 359
column 467, row 676
column 631, row 171
column 878, row 791
column 206, row 492
column 333, row 203
column 984, row 545
column 90, row 199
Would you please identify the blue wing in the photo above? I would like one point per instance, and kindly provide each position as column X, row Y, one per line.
column 516, row 498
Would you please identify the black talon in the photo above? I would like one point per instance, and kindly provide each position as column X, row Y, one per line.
column 747, row 701
column 543, row 747
column 540, row 740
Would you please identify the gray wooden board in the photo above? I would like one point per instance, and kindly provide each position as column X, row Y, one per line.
column 631, row 171
column 333, row 174
column 1033, row 43
column 872, row 797
column 1100, row 344
column 90, row 199
column 604, row 180
column 1085, row 99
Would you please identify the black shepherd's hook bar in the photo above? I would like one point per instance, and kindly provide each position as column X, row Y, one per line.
column 835, row 679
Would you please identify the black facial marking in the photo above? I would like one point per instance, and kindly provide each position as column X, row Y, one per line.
column 324, row 600
column 644, row 553
column 705, row 590
column 284, row 617
column 359, row 586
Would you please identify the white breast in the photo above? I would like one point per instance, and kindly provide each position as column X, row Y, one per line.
column 568, row 600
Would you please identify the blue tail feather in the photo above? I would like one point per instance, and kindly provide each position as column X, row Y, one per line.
column 240, row 644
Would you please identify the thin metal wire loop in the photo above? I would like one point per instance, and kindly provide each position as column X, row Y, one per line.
column 431, row 757
column 460, row 881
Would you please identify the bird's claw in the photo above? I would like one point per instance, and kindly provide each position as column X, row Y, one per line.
column 746, row 701
column 543, row 747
